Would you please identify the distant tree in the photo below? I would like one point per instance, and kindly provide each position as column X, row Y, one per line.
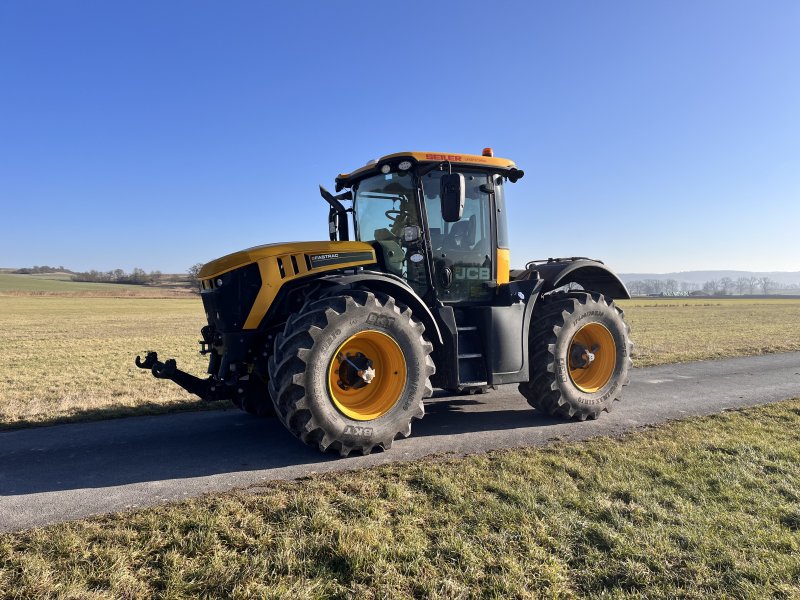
column 636, row 288
column 726, row 285
column 742, row 285
column 752, row 285
column 711, row 287
column 155, row 277
column 766, row 284
column 670, row 287
column 138, row 276
column 194, row 272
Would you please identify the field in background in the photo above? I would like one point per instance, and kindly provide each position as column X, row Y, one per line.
column 703, row 508
column 71, row 358
column 61, row 284
column 681, row 329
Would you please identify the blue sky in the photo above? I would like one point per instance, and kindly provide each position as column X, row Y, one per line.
column 657, row 136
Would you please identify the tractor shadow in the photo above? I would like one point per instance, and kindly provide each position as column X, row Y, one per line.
column 474, row 414
column 227, row 443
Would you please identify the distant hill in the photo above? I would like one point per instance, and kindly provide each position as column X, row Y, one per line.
column 700, row 277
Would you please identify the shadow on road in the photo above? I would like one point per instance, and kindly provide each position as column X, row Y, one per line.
column 188, row 445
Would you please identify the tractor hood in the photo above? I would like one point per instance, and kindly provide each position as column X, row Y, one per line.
column 308, row 256
column 277, row 265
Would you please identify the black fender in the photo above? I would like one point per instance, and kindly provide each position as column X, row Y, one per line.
column 592, row 275
column 395, row 287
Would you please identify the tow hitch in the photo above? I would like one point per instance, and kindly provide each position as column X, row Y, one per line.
column 207, row 389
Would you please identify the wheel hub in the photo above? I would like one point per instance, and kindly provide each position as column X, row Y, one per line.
column 581, row 357
column 355, row 370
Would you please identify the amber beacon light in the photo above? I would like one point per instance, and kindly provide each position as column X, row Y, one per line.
column 488, row 152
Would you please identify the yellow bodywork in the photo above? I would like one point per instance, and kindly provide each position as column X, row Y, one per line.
column 503, row 265
column 453, row 157
column 279, row 263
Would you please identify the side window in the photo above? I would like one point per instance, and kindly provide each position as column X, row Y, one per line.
column 462, row 254
column 384, row 205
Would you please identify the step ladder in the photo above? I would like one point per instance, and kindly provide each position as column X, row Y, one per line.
column 471, row 362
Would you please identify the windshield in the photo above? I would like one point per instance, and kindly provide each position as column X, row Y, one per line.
column 383, row 206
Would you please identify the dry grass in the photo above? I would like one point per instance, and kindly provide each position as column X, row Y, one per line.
column 679, row 330
column 72, row 358
column 706, row 508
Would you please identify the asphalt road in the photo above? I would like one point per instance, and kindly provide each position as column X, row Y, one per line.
column 67, row 472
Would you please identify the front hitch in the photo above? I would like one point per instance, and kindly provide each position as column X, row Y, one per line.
column 207, row 389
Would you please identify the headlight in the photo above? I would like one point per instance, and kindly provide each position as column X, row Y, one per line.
column 405, row 165
column 386, row 169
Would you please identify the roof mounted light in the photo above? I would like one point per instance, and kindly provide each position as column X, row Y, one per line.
column 386, row 169
column 405, row 165
column 488, row 152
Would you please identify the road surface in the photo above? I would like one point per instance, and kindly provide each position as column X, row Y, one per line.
column 67, row 472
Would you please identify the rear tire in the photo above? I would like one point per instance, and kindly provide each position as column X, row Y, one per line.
column 580, row 355
column 309, row 366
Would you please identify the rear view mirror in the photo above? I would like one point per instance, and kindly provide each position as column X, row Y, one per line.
column 452, row 196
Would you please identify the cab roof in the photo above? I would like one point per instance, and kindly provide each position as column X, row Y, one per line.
column 345, row 180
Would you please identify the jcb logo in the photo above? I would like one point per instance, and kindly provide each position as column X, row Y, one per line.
column 561, row 367
column 379, row 320
column 481, row 273
column 358, row 430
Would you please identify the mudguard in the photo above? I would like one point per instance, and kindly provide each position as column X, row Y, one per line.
column 392, row 286
column 592, row 275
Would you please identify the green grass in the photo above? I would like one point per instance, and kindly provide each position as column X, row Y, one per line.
column 62, row 284
column 71, row 358
column 701, row 508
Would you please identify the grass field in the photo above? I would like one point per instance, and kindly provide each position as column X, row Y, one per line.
column 61, row 284
column 696, row 509
column 71, row 358
column 680, row 330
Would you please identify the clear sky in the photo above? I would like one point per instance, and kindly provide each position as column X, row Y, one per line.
column 658, row 136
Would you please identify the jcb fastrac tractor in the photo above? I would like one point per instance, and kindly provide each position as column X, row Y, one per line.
column 344, row 339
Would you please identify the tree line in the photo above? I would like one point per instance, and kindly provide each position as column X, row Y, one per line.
column 41, row 269
column 136, row 277
column 726, row 286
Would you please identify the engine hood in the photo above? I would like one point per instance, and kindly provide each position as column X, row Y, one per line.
column 309, row 256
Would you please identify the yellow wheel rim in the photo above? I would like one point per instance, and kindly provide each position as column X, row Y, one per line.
column 376, row 398
column 592, row 357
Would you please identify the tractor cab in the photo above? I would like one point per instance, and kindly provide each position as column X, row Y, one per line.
column 436, row 220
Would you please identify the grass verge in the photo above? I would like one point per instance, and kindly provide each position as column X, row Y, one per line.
column 701, row 508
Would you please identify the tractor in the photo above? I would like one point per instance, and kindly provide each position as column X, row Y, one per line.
column 343, row 340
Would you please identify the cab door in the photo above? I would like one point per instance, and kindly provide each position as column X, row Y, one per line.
column 461, row 252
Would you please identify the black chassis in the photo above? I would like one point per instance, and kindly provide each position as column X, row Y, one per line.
column 238, row 358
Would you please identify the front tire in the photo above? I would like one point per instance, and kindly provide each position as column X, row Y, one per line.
column 349, row 372
column 580, row 355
